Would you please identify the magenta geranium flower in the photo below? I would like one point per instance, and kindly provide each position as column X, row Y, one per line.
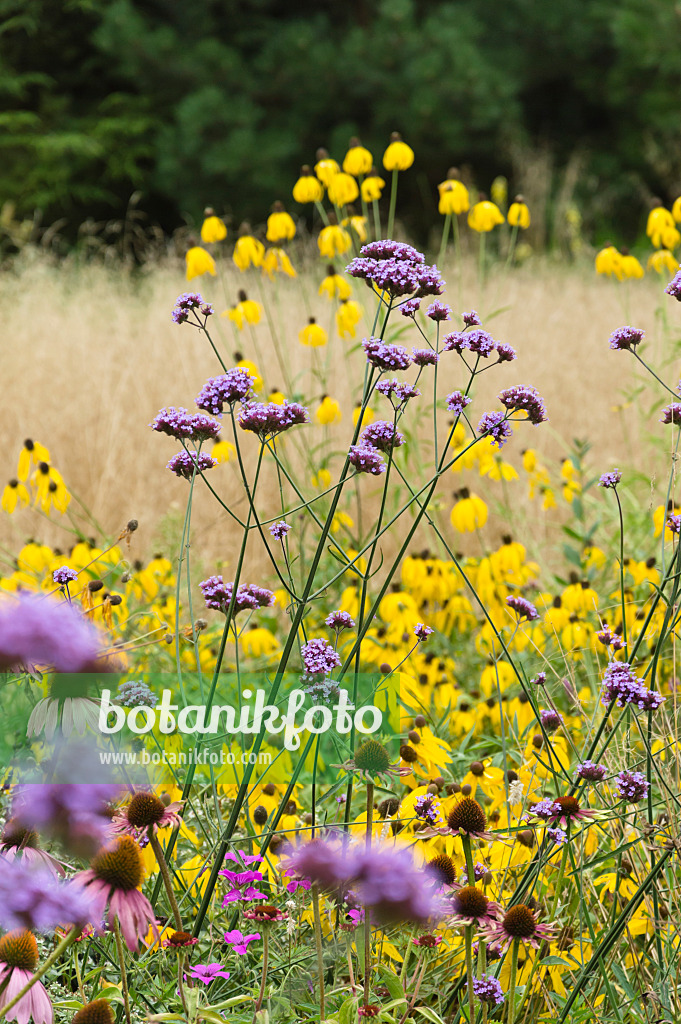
column 208, row 972
column 239, row 942
column 18, row 961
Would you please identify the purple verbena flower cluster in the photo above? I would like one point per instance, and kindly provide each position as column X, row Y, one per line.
column 505, row 353
column 591, row 772
column 186, row 464
column 184, row 425
column 36, row 630
column 477, row 341
column 438, row 311
column 609, row 638
column 135, row 694
column 319, row 657
column 457, row 402
column 471, row 319
column 280, row 529
column 631, row 786
column 523, row 608
column 424, row 357
column 397, row 269
column 410, row 307
column 32, row 898
column 422, row 632
column 64, row 575
column 621, row 685
column 366, row 459
column 610, row 479
column 496, row 426
column 674, row 286
column 187, row 303
column 545, row 809
column 551, row 719
column 234, row 386
column 427, row 808
column 674, row 523
column 340, row 620
column 488, row 989
column 526, row 399
column 217, row 594
column 626, row 338
column 671, row 413
column 381, row 435
column 267, row 418
column 397, row 391
column 386, row 357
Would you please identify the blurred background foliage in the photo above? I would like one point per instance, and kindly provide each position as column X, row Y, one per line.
column 220, row 101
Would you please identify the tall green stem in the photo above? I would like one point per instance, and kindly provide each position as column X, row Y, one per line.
column 367, row 918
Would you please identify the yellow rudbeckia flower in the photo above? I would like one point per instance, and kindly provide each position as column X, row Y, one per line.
column 469, row 513
column 199, row 261
column 662, row 262
column 333, row 241
column 609, row 262
column 30, row 455
column 329, row 411
column 372, row 187
column 15, row 493
column 398, row 156
column 280, row 225
column 519, row 214
column 357, row 223
column 342, row 189
column 276, row 261
column 325, row 168
column 659, row 220
column 313, row 335
column 484, row 216
column 359, row 160
column 335, row 285
column 252, row 311
column 308, row 189
column 348, row 316
column 246, row 364
column 223, row 451
column 321, row 479
column 631, row 266
column 454, row 198
column 248, row 252
column 213, row 228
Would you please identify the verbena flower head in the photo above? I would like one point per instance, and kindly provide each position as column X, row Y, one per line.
column 523, row 608
column 590, row 771
column 457, row 402
column 427, row 808
column 480, row 342
column 488, row 990
column 496, row 426
column 457, row 341
column 64, row 575
column 632, row 786
column 674, row 286
column 174, row 422
column 438, row 311
column 624, row 687
column 386, row 357
column 422, row 632
column 381, row 435
column 75, row 814
column 189, row 302
column 671, row 413
column 234, row 386
column 266, row 419
column 626, row 338
column 505, row 353
column 218, row 595
column 340, row 620
column 556, row 835
column 561, row 810
column 479, row 872
column 424, row 357
column 399, row 392
column 188, row 464
column 545, row 809
column 319, row 657
column 366, row 459
column 135, row 694
column 551, row 719
column 36, row 630
column 397, row 269
column 280, row 529
column 471, row 319
column 32, row 897
column 386, row 249
column 610, row 479
column 674, row 523
column 522, row 398
column 410, row 307
column 539, row 679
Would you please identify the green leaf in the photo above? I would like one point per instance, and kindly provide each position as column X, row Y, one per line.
column 554, row 961
column 430, row 1014
column 348, row 1011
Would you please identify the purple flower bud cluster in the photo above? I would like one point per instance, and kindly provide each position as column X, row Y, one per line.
column 427, row 808
column 386, row 357
column 526, row 399
column 674, row 286
column 387, row 249
column 217, row 594
column 622, row 686
column 505, row 353
column 496, row 426
column 187, row 303
column 671, row 413
column 135, row 694
column 479, row 872
column 477, row 341
column 381, row 435
column 674, row 523
column 591, row 772
column 545, row 809
column 64, row 575
column 340, row 620
column 556, row 835
column 397, row 391
column 488, row 989
column 610, row 479
column 280, row 529
column 396, row 268
column 422, row 632
column 37, row 630
column 626, row 338
column 234, row 386
column 366, row 459
column 32, row 898
column 410, row 307
column 539, row 679
column 551, row 719
column 267, row 418
column 608, row 638
column 184, row 425
column 438, row 311
column 383, row 879
column 457, row 402
column 631, row 786
column 424, row 357
column 523, row 608
column 186, row 464
column 319, row 657
column 471, row 319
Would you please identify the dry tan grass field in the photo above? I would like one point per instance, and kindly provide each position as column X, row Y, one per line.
column 89, row 355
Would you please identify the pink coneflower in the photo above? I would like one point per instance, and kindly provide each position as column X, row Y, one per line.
column 265, row 914
column 470, row 906
column 97, row 1012
column 18, row 961
column 519, row 923
column 17, row 841
column 467, row 818
column 178, row 940
column 144, row 810
column 428, row 941
column 113, row 878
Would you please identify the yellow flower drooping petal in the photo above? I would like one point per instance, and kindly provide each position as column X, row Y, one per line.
column 326, row 168
column 199, row 261
column 250, row 310
column 213, row 228
column 454, row 198
column 313, row 335
column 631, row 266
column 609, row 262
column 276, row 396
column 223, row 451
column 519, row 214
column 358, row 160
column 15, row 493
column 662, row 262
column 308, row 189
column 280, row 225
column 367, row 418
column 335, row 285
column 333, row 241
column 484, row 216
column 235, row 315
column 342, row 189
column 276, row 261
column 659, row 221
column 329, row 411
column 321, row 479
column 348, row 316
column 31, row 454
column 398, row 156
column 469, row 513
column 358, row 225
column 248, row 252
column 247, row 364
column 372, row 187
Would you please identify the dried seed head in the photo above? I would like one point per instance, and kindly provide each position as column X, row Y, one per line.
column 470, row 902
column 443, row 867
column 97, row 1012
column 408, row 754
column 467, row 817
column 260, row 815
column 145, row 809
column 519, row 922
